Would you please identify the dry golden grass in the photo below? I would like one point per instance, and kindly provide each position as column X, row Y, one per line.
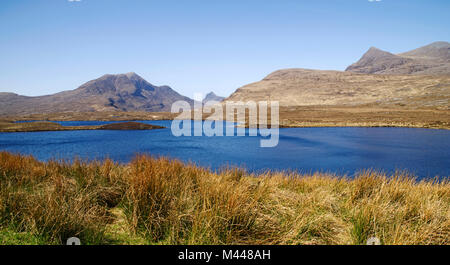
column 359, row 116
column 364, row 116
column 160, row 201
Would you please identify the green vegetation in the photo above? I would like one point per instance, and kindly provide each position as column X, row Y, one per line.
column 161, row 201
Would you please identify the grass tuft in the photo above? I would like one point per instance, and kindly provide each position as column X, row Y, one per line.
column 162, row 201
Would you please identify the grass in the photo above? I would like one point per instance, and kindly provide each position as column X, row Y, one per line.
column 368, row 115
column 363, row 116
column 162, row 201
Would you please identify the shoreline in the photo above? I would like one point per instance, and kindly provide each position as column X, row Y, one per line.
column 289, row 117
column 99, row 127
column 53, row 126
column 346, row 125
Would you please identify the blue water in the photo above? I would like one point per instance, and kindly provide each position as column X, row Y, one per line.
column 423, row 152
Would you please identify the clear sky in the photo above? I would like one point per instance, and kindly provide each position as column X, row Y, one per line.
column 47, row 46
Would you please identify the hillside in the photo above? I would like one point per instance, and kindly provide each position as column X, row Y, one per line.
column 122, row 92
column 433, row 59
column 302, row 87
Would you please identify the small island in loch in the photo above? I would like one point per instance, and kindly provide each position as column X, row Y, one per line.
column 43, row 126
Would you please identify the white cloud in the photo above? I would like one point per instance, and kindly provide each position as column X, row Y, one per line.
column 375, row 0
column 80, row 0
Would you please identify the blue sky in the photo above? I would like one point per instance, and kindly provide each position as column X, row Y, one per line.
column 47, row 46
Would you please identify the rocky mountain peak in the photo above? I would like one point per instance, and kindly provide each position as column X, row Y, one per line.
column 432, row 59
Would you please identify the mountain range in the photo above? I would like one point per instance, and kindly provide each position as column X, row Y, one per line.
column 417, row 78
column 122, row 92
column 433, row 59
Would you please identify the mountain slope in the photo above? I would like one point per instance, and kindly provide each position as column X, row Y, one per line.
column 437, row 50
column 303, row 87
column 433, row 59
column 122, row 92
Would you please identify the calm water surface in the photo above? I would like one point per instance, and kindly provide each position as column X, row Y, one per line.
column 423, row 152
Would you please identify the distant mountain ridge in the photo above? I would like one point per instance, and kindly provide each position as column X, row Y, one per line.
column 419, row 78
column 211, row 96
column 121, row 92
column 432, row 59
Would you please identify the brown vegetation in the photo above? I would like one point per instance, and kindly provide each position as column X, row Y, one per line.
column 93, row 116
column 160, row 201
column 367, row 116
column 39, row 126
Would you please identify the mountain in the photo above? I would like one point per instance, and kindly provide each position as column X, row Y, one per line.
column 433, row 59
column 121, row 92
column 437, row 50
column 211, row 96
column 378, row 61
column 303, row 87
